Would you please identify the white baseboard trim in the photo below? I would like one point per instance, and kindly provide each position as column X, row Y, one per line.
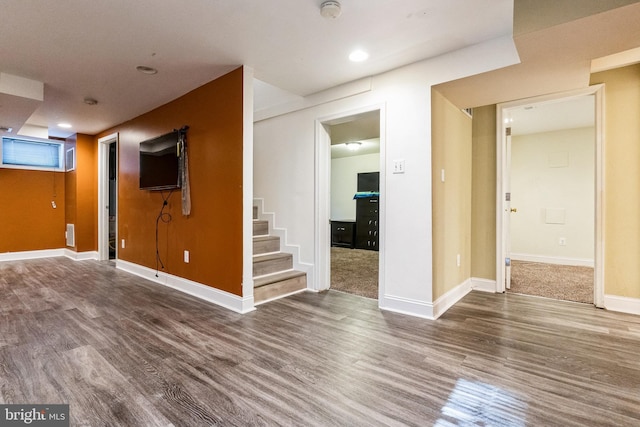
column 484, row 285
column 19, row 256
column 582, row 262
column 198, row 290
column 622, row 304
column 407, row 306
column 444, row 303
column 81, row 256
column 424, row 309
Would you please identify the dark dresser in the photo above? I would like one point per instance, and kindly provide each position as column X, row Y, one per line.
column 343, row 234
column 367, row 211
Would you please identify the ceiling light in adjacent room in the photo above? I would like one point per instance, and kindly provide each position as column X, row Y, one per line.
column 146, row 70
column 358, row 56
column 65, row 125
column 353, row 145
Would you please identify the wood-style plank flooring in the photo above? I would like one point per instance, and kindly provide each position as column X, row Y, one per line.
column 123, row 351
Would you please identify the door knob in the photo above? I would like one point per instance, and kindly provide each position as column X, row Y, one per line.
column 514, row 209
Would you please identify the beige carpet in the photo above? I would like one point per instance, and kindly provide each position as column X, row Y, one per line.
column 563, row 282
column 355, row 271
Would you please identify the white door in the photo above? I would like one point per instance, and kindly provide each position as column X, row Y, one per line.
column 507, row 210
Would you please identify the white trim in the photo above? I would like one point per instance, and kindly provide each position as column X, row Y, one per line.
column 444, row 303
column 483, row 285
column 407, row 306
column 501, row 205
column 247, row 182
column 198, row 290
column 44, row 253
column 81, row 256
column 622, row 304
column 103, row 197
column 582, row 262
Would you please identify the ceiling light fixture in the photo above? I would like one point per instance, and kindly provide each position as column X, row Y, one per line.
column 90, row 101
column 146, row 70
column 65, row 125
column 358, row 55
column 330, row 9
column 353, row 145
column 5, row 129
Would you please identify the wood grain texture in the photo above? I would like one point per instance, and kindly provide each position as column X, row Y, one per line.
column 123, row 351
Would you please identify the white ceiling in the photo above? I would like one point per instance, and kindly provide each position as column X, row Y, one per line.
column 81, row 48
column 570, row 113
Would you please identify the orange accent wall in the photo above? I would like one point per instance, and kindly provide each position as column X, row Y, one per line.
column 81, row 193
column 213, row 232
column 28, row 222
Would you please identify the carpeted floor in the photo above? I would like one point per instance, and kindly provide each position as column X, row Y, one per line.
column 563, row 282
column 355, row 271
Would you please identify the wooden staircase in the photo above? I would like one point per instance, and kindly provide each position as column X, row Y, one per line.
column 273, row 273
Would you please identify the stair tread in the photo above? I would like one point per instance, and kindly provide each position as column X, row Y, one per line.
column 276, row 277
column 270, row 256
column 265, row 237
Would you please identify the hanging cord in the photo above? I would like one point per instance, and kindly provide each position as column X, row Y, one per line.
column 166, row 218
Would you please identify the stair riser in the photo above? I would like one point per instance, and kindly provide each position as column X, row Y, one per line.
column 284, row 287
column 260, row 228
column 272, row 266
column 266, row 246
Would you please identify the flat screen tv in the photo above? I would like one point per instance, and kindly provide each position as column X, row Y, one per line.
column 160, row 162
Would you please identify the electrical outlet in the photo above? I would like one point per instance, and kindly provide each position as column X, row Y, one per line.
column 53, row 204
column 562, row 241
column 186, row 257
column 122, row 243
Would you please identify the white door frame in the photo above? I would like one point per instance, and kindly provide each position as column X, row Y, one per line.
column 322, row 234
column 103, row 196
column 501, row 177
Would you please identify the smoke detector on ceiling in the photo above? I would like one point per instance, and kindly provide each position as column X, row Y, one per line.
column 330, row 9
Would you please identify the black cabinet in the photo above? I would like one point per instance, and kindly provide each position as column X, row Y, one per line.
column 343, row 234
column 367, row 217
column 367, row 212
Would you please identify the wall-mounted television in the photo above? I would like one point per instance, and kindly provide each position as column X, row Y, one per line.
column 160, row 162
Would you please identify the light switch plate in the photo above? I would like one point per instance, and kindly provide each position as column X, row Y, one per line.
column 398, row 166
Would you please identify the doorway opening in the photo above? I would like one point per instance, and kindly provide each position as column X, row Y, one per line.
column 355, row 207
column 113, row 180
column 108, row 197
column 549, row 199
column 336, row 195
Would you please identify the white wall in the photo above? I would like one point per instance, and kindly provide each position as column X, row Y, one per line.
column 552, row 187
column 344, row 183
column 284, row 165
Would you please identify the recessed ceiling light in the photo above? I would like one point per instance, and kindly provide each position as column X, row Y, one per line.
column 64, row 125
column 146, row 70
column 358, row 55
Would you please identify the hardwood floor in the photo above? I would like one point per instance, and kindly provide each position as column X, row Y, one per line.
column 124, row 351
